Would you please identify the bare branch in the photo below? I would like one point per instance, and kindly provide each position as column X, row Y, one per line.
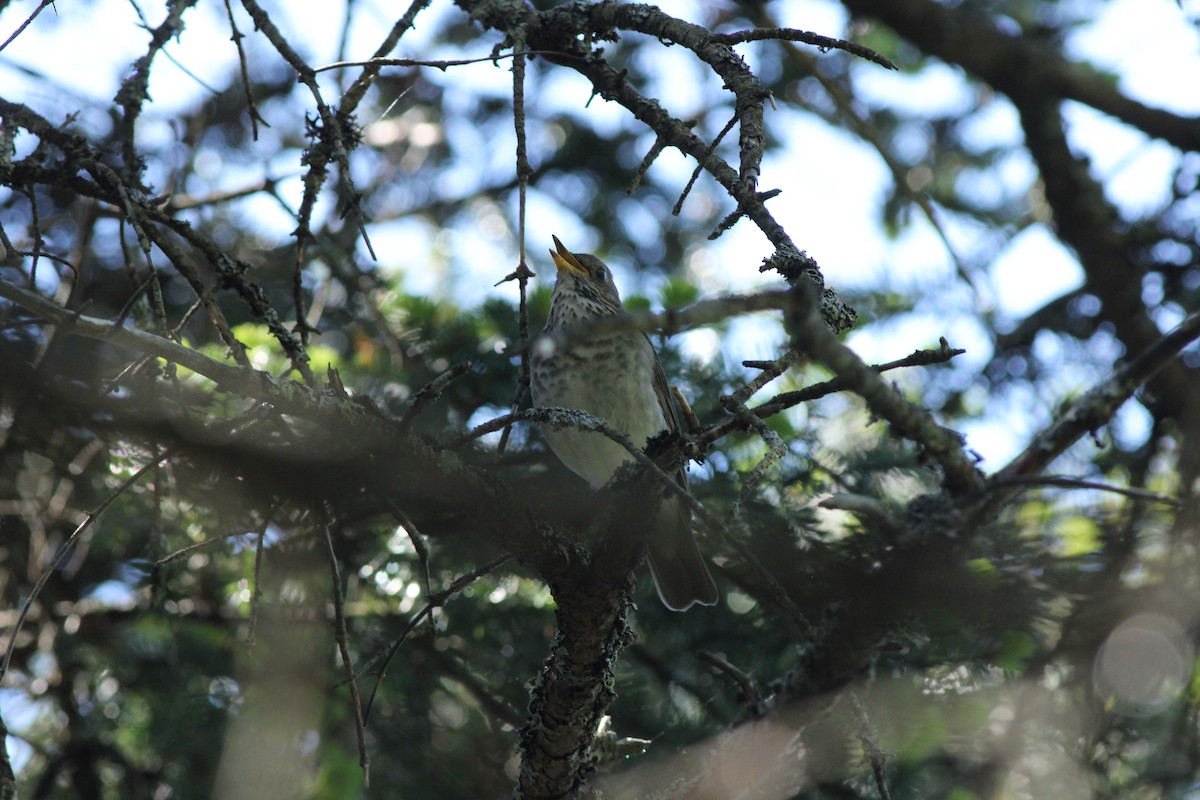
column 1097, row 406
column 436, row 601
column 776, row 449
column 908, row 420
column 240, row 381
column 442, row 65
column 65, row 547
column 354, row 95
column 339, row 635
column 28, row 21
column 430, row 391
column 807, row 37
column 751, row 696
column 1067, row 482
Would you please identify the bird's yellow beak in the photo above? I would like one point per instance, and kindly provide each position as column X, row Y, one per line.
column 565, row 260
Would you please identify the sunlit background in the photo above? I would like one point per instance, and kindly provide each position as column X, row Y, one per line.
column 69, row 62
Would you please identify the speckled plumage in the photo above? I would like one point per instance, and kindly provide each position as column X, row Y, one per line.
column 618, row 378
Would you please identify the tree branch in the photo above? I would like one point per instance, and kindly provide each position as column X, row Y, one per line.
column 961, row 35
column 1097, row 406
column 910, row 421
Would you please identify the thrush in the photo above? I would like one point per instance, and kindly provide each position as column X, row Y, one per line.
column 618, row 378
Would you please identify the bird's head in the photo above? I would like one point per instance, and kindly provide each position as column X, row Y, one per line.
column 584, row 281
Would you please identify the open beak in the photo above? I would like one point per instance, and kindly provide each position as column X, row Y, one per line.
column 565, row 260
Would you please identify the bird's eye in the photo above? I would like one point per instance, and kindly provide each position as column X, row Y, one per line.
column 601, row 274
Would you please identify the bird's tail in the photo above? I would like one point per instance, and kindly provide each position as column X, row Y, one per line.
column 680, row 573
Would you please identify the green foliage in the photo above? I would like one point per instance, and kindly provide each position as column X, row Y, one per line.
column 1078, row 535
column 678, row 293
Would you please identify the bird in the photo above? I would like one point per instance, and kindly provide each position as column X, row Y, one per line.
column 619, row 378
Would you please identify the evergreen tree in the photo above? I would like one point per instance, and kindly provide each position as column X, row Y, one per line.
column 278, row 517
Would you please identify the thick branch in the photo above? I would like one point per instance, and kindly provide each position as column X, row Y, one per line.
column 286, row 395
column 1037, row 78
column 575, row 687
column 910, row 421
column 961, row 35
column 358, row 446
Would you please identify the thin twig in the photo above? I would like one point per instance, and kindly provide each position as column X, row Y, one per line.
column 38, row 242
column 251, row 107
column 652, row 154
column 339, row 634
column 866, row 507
column 874, row 754
column 776, row 449
column 215, row 315
column 701, row 163
column 794, row 35
column 430, row 391
column 134, row 90
column 331, row 137
column 436, row 601
column 352, row 96
column 842, row 93
column 751, row 696
column 28, row 21
column 908, row 420
column 522, row 273
column 785, row 400
column 186, row 203
column 64, row 548
column 450, row 663
column 732, row 217
column 176, row 333
column 420, row 547
column 770, row 371
column 1067, row 482
column 442, row 65
column 191, row 548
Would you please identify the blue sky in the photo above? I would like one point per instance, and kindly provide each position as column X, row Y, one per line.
column 834, row 183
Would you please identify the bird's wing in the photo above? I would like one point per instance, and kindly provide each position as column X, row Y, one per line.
column 666, row 402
